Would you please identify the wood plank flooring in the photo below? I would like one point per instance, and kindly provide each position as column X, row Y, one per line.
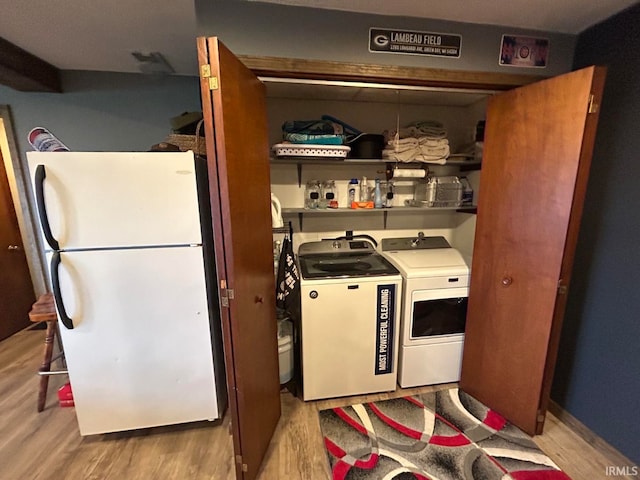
column 48, row 446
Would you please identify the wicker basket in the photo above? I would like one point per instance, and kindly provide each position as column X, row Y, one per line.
column 196, row 143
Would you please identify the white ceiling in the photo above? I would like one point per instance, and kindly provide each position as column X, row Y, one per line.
column 86, row 35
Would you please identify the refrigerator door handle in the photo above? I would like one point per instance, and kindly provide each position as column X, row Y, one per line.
column 57, row 294
column 40, row 176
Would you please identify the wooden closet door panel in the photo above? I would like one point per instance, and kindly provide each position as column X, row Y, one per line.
column 16, row 289
column 537, row 151
column 234, row 108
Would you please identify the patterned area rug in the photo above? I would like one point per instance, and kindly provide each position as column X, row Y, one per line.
column 436, row 436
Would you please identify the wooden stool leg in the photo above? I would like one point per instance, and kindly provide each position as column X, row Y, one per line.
column 46, row 364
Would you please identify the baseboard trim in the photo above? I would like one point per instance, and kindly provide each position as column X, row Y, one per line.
column 613, row 455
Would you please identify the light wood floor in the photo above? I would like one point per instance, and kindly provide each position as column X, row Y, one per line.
column 47, row 445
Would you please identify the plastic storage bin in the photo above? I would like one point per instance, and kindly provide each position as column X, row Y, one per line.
column 439, row 192
column 285, row 350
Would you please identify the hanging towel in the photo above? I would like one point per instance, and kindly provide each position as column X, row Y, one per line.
column 288, row 281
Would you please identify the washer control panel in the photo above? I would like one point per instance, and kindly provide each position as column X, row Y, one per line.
column 335, row 246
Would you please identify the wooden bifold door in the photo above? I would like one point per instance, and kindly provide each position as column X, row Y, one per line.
column 234, row 108
column 537, row 152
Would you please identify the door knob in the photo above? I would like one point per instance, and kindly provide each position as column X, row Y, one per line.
column 13, row 247
column 506, row 281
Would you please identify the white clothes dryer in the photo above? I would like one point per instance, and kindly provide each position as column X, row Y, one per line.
column 434, row 309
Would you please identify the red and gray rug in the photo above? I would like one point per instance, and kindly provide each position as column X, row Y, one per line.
column 436, row 436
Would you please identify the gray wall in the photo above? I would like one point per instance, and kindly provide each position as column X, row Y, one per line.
column 598, row 371
column 252, row 28
column 104, row 111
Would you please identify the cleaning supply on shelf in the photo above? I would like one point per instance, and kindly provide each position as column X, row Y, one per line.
column 377, row 194
column 351, row 193
column 467, row 191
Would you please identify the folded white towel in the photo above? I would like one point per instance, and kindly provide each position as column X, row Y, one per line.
column 429, row 142
column 418, row 154
column 423, row 141
column 430, row 129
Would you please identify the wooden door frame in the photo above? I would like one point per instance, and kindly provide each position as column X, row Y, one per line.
column 451, row 79
column 298, row 68
column 20, row 186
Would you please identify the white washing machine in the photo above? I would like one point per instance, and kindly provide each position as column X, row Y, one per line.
column 350, row 297
column 434, row 309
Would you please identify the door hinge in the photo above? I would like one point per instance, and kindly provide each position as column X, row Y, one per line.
column 540, row 416
column 562, row 289
column 224, row 297
column 205, row 73
column 593, row 106
column 226, row 294
column 245, row 468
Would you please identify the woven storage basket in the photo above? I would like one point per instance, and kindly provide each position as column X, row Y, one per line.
column 196, row 143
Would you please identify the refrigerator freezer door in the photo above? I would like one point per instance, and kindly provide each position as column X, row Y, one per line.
column 115, row 199
column 140, row 353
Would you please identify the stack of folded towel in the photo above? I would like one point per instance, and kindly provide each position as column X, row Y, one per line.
column 424, row 141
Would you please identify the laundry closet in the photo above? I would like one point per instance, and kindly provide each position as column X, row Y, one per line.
column 420, row 342
column 530, row 190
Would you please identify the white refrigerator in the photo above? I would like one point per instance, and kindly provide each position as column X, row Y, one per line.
column 128, row 240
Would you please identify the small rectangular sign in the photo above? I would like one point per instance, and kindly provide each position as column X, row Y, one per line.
column 527, row 52
column 385, row 320
column 414, row 43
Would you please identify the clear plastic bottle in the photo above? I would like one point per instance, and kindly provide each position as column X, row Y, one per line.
column 364, row 190
column 353, row 188
column 377, row 195
column 388, row 194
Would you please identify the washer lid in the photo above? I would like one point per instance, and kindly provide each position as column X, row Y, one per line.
column 428, row 263
column 345, row 265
